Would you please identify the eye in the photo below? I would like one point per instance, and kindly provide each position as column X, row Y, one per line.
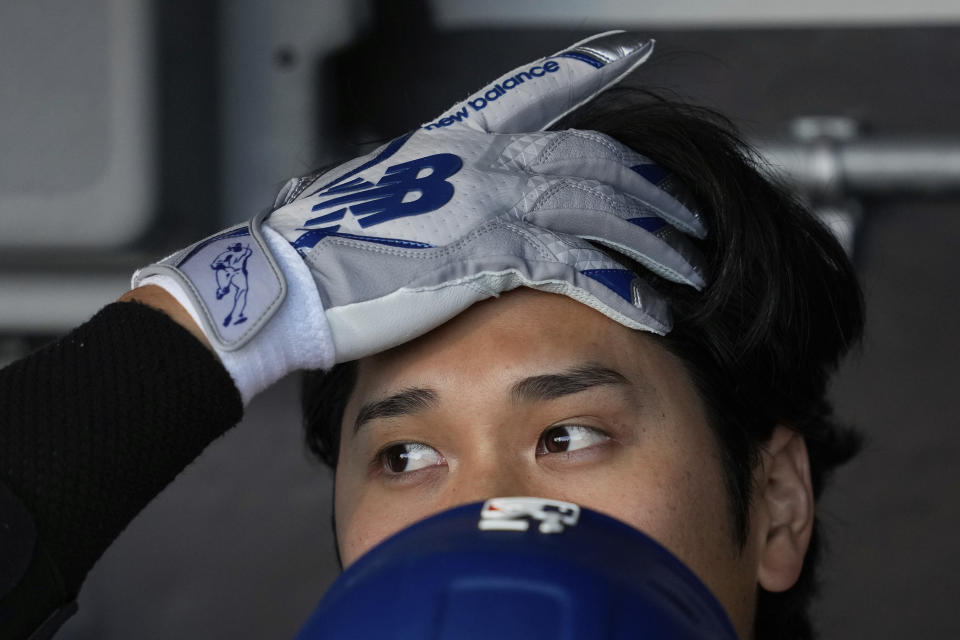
column 568, row 437
column 409, row 456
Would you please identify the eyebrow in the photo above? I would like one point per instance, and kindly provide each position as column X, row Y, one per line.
column 556, row 385
column 403, row 403
column 534, row 388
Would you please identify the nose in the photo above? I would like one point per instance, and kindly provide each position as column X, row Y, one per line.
column 478, row 480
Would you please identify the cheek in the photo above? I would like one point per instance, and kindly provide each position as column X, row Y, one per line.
column 365, row 518
column 357, row 529
column 694, row 523
column 680, row 501
column 690, row 515
column 680, row 506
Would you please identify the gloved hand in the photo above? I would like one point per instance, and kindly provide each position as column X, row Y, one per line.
column 390, row 245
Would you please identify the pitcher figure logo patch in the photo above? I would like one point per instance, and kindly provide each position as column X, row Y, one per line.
column 230, row 268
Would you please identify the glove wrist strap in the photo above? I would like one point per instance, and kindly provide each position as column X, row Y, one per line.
column 297, row 335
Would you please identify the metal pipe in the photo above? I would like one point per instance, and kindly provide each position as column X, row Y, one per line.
column 864, row 167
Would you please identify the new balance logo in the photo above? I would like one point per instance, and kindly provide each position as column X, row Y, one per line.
column 406, row 189
column 480, row 101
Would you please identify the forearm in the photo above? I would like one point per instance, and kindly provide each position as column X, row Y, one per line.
column 160, row 299
column 94, row 426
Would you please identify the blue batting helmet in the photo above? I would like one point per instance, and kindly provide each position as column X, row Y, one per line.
column 519, row 568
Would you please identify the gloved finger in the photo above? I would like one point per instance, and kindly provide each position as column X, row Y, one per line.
column 420, row 288
column 415, row 309
column 535, row 95
column 594, row 211
column 580, row 272
column 617, row 293
column 567, row 265
column 586, row 274
column 591, row 154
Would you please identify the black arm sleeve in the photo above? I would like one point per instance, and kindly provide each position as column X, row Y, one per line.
column 92, row 427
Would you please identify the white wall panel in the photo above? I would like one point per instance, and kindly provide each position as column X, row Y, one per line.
column 76, row 155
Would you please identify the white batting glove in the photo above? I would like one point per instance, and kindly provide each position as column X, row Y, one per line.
column 390, row 245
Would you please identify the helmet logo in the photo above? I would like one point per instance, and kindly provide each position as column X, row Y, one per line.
column 515, row 514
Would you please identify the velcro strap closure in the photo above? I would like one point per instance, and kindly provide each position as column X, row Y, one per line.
column 233, row 280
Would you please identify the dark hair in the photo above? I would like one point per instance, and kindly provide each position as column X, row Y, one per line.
column 760, row 342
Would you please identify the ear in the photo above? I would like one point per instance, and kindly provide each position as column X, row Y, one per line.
column 785, row 509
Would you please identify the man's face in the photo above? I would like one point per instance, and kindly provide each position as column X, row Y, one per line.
column 534, row 394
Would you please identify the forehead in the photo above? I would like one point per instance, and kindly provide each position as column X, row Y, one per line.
column 521, row 333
